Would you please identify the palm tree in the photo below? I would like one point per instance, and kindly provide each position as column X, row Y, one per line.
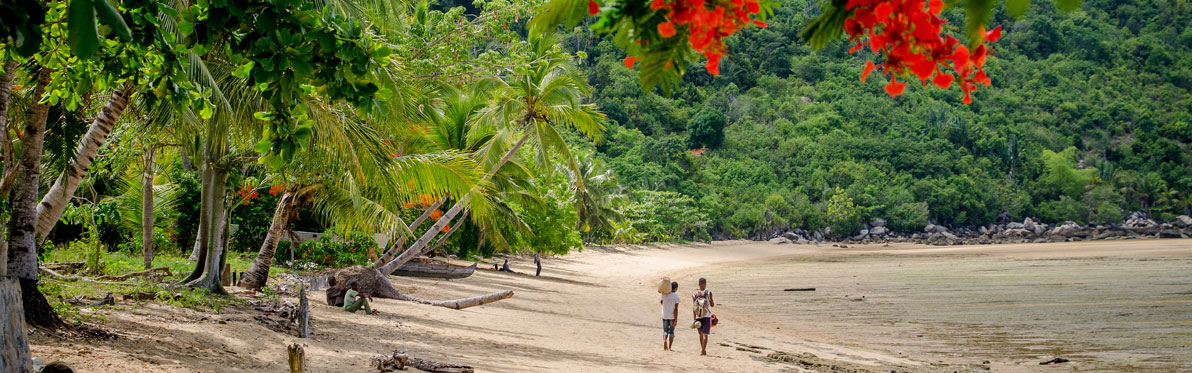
column 534, row 101
column 595, row 203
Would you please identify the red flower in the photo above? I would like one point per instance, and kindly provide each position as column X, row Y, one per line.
column 593, row 7
column 869, row 66
column 436, row 214
column 894, row 88
column 666, row 29
column 943, row 80
column 629, row 61
column 275, row 189
column 446, row 228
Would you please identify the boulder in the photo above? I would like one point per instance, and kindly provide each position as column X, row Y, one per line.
column 879, row 222
column 1028, row 224
column 1183, row 221
column 982, row 230
column 780, row 240
column 1067, row 229
column 929, row 228
column 1169, row 233
column 1015, row 225
column 879, row 231
column 791, row 236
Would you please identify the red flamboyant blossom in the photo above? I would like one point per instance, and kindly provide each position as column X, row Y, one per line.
column 909, row 34
column 275, row 189
column 629, row 61
column 249, row 193
column 593, row 7
column 436, row 214
column 446, row 228
column 708, row 23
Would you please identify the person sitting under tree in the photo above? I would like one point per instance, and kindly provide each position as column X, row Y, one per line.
column 353, row 300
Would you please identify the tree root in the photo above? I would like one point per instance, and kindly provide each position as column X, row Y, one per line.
column 373, row 282
column 99, row 280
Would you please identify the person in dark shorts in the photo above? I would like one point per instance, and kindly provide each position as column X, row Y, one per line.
column 670, row 313
column 702, row 303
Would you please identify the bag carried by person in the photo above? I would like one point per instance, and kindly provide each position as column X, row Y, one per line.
column 714, row 321
column 664, row 286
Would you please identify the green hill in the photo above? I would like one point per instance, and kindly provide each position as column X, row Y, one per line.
column 1088, row 118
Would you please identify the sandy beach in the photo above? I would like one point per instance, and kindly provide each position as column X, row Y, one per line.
column 1104, row 305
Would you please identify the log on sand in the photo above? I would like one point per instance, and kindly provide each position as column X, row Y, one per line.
column 400, row 360
column 799, row 289
column 100, row 280
column 373, row 282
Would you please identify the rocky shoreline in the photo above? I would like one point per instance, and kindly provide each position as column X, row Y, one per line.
column 1136, row 226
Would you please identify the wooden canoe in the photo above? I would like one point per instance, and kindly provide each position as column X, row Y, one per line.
column 422, row 267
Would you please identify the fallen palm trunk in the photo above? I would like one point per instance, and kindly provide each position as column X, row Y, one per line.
column 799, row 289
column 101, row 279
column 373, row 282
column 400, row 360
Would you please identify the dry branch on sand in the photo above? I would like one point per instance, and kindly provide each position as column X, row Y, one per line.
column 399, row 360
column 371, row 281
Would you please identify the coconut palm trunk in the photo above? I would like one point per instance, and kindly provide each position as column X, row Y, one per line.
column 10, row 72
column 213, row 238
column 199, row 255
column 393, row 250
column 418, row 246
column 55, row 200
column 22, row 243
column 147, row 172
column 258, row 272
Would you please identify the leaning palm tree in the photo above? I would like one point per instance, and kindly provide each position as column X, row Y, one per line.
column 534, row 101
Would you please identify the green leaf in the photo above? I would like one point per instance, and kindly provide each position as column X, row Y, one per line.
column 1067, row 5
column 206, row 112
column 243, row 71
column 1016, row 8
column 263, row 146
column 83, row 34
column 108, row 14
column 976, row 12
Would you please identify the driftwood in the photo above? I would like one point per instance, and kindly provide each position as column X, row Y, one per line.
column 373, row 282
column 297, row 358
column 438, row 367
column 400, row 360
column 65, row 266
column 100, row 280
column 799, row 289
column 303, row 313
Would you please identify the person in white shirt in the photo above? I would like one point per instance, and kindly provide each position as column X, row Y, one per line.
column 670, row 313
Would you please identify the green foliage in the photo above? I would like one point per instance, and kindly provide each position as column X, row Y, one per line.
column 706, row 129
column 661, row 216
column 328, row 252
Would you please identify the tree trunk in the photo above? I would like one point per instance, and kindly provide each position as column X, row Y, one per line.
column 55, row 200
column 418, row 246
column 147, row 174
column 14, row 346
column 397, row 247
column 258, row 273
column 199, row 255
column 22, row 243
column 22, row 248
column 442, row 240
column 216, row 221
column 197, row 248
column 10, row 72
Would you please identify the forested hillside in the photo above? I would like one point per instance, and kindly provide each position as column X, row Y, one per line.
column 1088, row 118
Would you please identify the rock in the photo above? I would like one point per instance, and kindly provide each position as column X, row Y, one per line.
column 57, row 367
column 982, row 230
column 1169, row 233
column 791, row 236
column 802, row 241
column 1040, row 228
column 879, row 222
column 880, row 230
column 780, row 240
column 818, row 236
column 1028, row 224
column 863, row 233
column 1015, row 225
column 842, row 246
column 1183, row 221
column 929, row 228
column 916, row 236
column 1067, row 229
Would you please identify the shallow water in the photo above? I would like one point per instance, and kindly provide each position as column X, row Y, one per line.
column 1103, row 313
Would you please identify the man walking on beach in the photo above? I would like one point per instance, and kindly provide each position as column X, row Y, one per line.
column 670, row 313
column 702, row 311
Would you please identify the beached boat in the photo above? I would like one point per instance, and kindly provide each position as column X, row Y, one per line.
column 423, row 267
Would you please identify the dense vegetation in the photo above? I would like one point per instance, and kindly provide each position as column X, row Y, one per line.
column 1088, row 118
